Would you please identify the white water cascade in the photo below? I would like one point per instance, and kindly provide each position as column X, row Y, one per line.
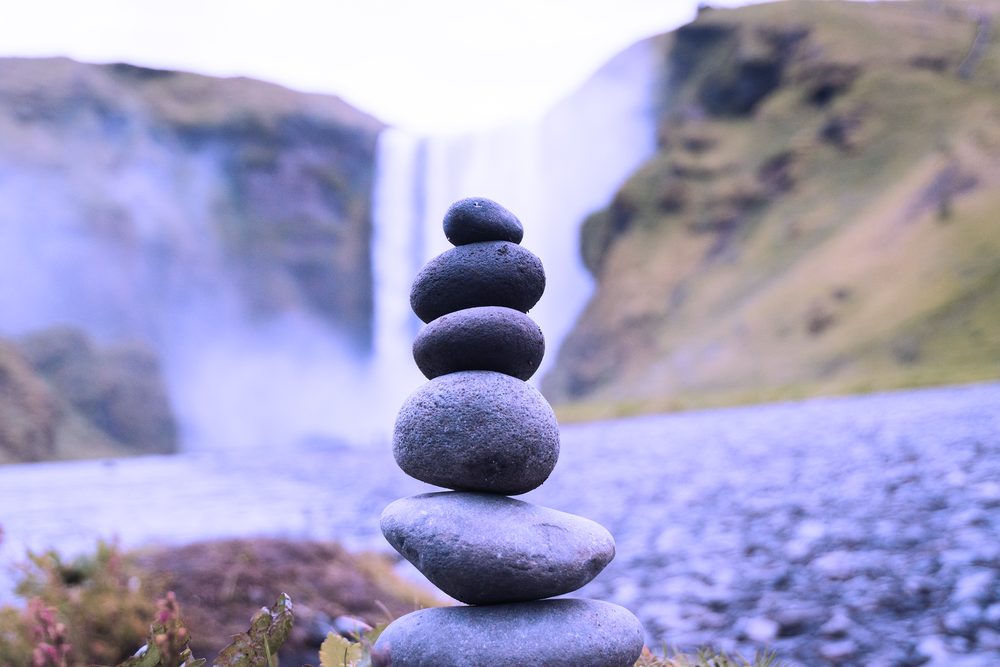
column 550, row 174
column 242, row 382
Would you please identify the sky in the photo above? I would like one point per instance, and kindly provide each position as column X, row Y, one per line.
column 431, row 66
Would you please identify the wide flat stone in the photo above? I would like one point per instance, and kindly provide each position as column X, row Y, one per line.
column 477, row 431
column 482, row 548
column 488, row 338
column 547, row 633
column 494, row 273
column 478, row 219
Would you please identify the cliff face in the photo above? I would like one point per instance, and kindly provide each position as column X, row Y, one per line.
column 28, row 410
column 133, row 199
column 63, row 397
column 822, row 215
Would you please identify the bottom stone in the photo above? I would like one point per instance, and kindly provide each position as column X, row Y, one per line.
column 549, row 633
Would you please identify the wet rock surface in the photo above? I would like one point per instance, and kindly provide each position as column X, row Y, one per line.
column 478, row 219
column 484, row 549
column 860, row 531
column 487, row 338
column 494, row 273
column 546, row 633
column 477, row 431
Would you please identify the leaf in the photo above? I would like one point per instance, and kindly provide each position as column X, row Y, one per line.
column 238, row 654
column 146, row 656
column 368, row 645
column 187, row 660
column 335, row 651
column 373, row 634
column 269, row 628
column 282, row 617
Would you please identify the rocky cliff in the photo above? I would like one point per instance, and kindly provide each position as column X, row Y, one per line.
column 131, row 199
column 63, row 397
column 822, row 214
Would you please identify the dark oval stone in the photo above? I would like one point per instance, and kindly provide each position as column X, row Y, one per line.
column 482, row 548
column 547, row 633
column 478, row 219
column 477, row 431
column 495, row 273
column 488, row 338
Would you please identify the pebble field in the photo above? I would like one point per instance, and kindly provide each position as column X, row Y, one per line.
column 844, row 531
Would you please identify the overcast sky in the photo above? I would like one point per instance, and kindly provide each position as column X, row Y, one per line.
column 438, row 66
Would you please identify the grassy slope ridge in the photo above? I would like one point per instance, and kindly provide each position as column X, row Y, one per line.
column 823, row 216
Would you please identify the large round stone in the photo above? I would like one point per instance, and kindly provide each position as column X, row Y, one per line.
column 478, row 219
column 477, row 431
column 482, row 548
column 548, row 633
column 488, row 338
column 494, row 273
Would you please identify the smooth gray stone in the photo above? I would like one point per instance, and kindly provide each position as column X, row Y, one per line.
column 477, row 431
column 547, row 633
column 494, row 273
column 483, row 549
column 478, row 219
column 488, row 338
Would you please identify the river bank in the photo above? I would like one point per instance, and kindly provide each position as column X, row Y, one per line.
column 847, row 531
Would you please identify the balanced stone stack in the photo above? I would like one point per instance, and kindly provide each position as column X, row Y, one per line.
column 479, row 429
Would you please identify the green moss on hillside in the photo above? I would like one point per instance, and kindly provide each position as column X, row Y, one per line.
column 822, row 216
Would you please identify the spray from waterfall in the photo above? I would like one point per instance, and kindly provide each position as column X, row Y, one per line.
column 124, row 240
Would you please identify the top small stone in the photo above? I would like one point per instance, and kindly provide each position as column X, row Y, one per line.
column 477, row 219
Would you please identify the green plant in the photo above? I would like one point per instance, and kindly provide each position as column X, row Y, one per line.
column 336, row 651
column 257, row 647
column 93, row 610
column 167, row 643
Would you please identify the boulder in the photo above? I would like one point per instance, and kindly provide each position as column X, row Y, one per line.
column 477, row 431
column 481, row 548
column 488, row 338
column 550, row 633
column 493, row 273
column 478, row 219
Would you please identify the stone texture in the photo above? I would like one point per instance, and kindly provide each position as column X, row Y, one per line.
column 551, row 633
column 494, row 273
column 489, row 338
column 482, row 548
column 477, row 431
column 478, row 219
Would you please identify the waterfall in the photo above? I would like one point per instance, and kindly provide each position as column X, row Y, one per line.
column 397, row 255
column 119, row 233
column 550, row 174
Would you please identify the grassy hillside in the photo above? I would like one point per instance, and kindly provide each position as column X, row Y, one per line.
column 64, row 398
column 822, row 216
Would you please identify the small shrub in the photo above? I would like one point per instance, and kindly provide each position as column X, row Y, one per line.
column 93, row 611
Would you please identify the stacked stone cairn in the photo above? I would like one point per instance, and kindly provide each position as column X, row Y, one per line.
column 479, row 429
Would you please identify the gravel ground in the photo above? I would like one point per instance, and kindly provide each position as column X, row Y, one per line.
column 851, row 531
